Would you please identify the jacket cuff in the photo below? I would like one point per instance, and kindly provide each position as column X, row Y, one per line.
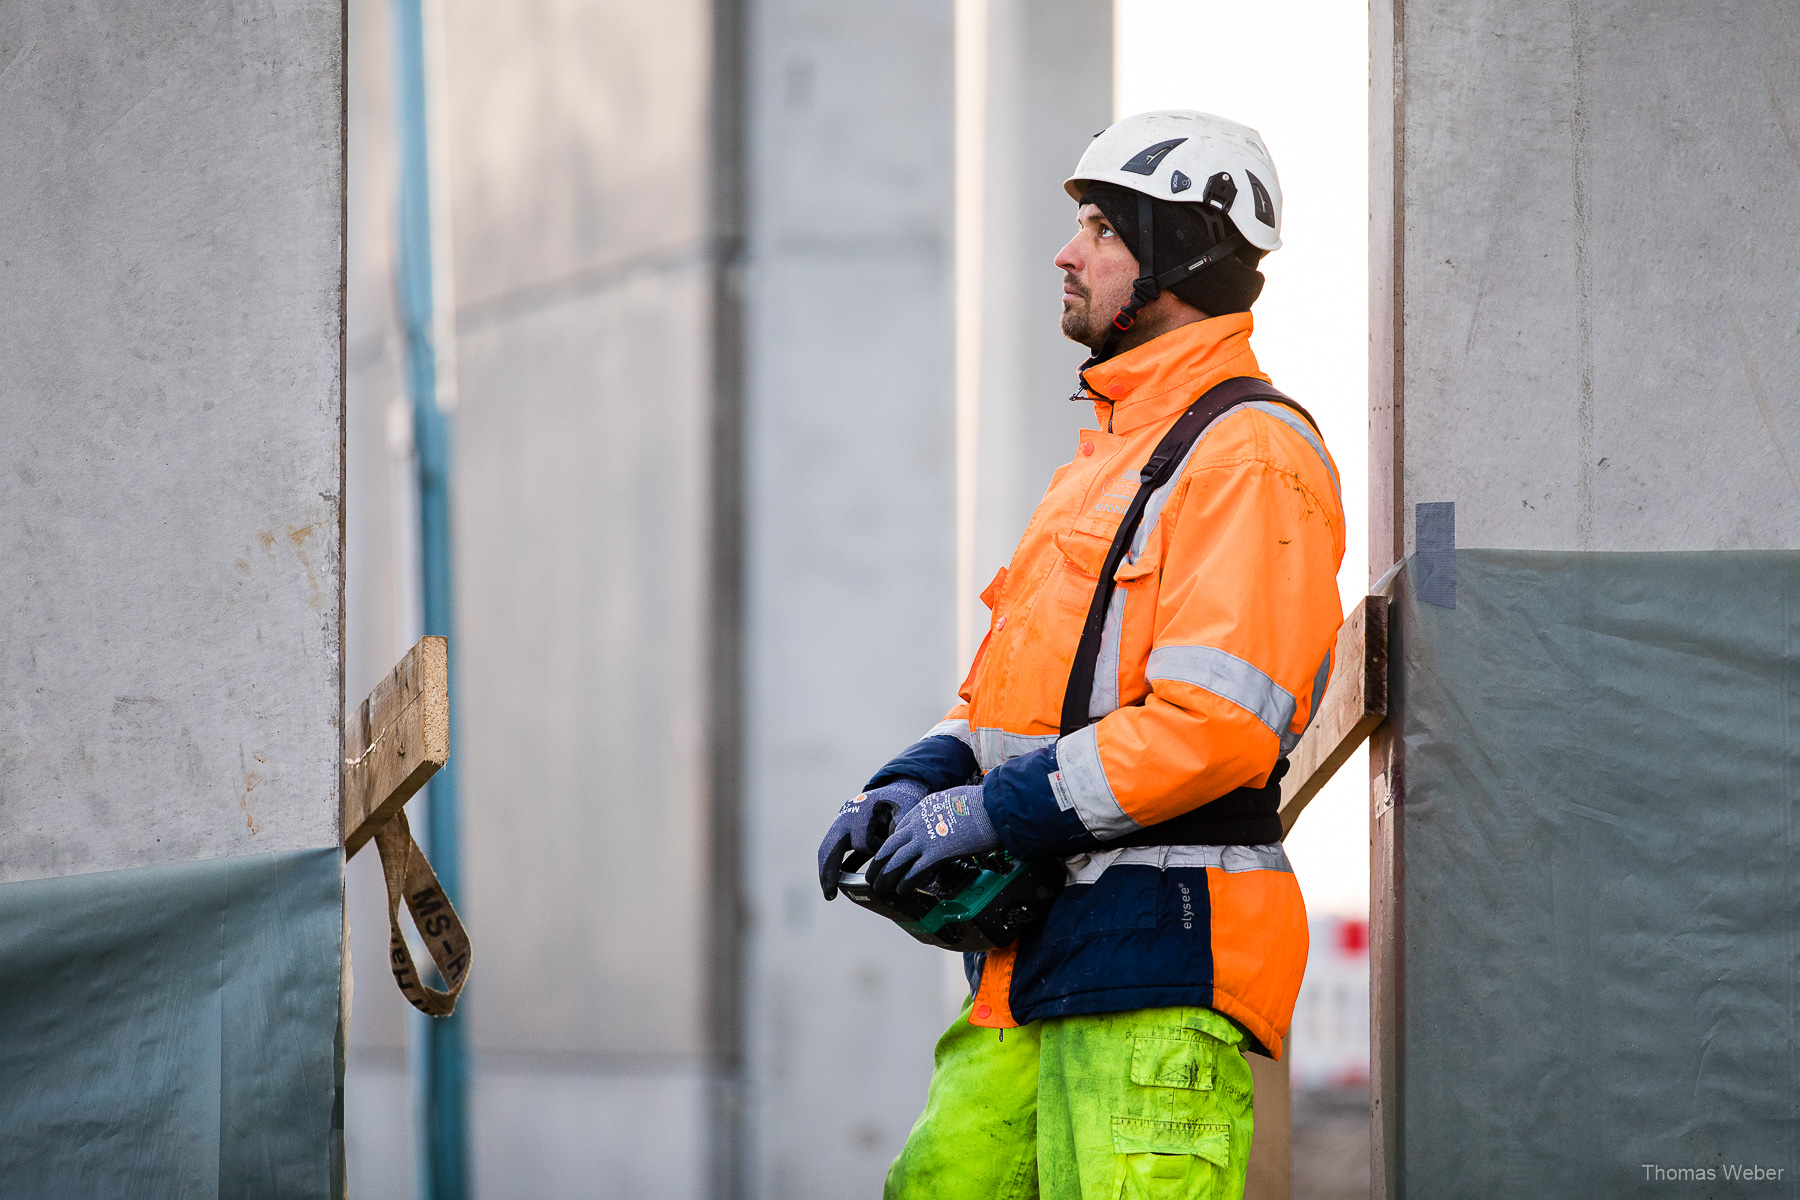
column 1021, row 801
column 939, row 762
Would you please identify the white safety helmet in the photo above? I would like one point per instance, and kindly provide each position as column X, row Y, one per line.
column 1183, row 157
column 1189, row 157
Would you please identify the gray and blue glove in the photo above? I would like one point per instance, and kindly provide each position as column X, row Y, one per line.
column 944, row 825
column 862, row 821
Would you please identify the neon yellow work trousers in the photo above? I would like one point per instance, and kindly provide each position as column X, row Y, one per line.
column 1119, row 1106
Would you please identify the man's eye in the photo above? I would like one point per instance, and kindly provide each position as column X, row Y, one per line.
column 1106, row 231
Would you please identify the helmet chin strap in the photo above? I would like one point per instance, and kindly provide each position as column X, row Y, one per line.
column 1149, row 285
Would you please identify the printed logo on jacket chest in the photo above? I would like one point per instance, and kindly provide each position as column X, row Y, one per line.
column 1117, row 495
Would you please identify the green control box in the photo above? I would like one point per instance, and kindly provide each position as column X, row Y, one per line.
column 982, row 902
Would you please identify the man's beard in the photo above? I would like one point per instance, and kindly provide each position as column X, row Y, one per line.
column 1088, row 321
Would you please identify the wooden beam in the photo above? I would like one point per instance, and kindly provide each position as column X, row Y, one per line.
column 1355, row 702
column 1270, row 1173
column 397, row 740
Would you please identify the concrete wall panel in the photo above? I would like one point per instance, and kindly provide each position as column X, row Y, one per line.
column 576, row 141
column 849, row 552
column 1602, row 233
column 379, row 1144
column 579, row 138
column 581, row 519
column 850, row 130
column 372, row 138
column 571, row 1135
column 851, row 658
column 1049, row 91
column 170, row 312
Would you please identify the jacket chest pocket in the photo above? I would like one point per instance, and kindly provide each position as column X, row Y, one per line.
column 1078, row 574
column 1074, row 587
column 1083, row 558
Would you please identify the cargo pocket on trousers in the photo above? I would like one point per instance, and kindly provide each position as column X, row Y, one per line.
column 1170, row 1160
column 1174, row 1058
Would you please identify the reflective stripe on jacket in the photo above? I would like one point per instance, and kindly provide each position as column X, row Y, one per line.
column 1216, row 650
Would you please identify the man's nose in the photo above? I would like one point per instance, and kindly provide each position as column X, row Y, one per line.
column 1069, row 258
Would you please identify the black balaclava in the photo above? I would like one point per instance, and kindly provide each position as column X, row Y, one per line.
column 1230, row 285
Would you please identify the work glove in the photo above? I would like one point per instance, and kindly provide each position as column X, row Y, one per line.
column 947, row 824
column 862, row 821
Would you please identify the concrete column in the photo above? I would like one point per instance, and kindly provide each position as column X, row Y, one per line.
column 173, row 411
column 849, row 557
column 171, row 307
column 1585, row 232
column 580, row 146
column 1584, row 323
column 584, row 189
column 850, row 489
column 1049, row 90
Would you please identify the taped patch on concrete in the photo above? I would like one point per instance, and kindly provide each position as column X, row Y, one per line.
column 1434, row 571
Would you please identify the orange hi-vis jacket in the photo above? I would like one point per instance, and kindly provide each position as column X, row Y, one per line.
column 1216, row 649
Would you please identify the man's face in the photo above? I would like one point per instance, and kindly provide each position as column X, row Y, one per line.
column 1098, row 272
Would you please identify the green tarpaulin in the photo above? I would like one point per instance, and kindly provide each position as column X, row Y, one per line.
column 171, row 1031
column 1600, row 909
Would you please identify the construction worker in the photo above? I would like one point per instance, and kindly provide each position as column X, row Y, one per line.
column 1102, row 1053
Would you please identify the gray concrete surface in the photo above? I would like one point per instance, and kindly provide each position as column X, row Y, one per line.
column 1331, row 1144
column 1602, row 233
column 1049, row 91
column 849, row 550
column 171, row 292
column 581, row 518
column 577, row 141
column 850, row 506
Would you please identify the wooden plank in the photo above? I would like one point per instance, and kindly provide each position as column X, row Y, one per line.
column 397, row 740
column 1355, row 702
column 1386, row 878
column 1387, row 540
column 1270, row 1173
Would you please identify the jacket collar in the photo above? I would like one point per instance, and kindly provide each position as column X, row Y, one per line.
column 1157, row 380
